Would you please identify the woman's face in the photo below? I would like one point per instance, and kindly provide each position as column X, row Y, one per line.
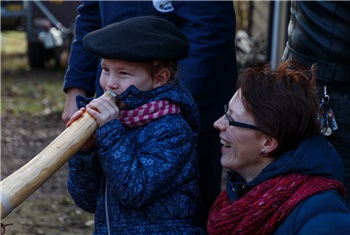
column 118, row 75
column 241, row 150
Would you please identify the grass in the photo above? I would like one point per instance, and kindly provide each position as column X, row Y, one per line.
column 13, row 51
column 26, row 91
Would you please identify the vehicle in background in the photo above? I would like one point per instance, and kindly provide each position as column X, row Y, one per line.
column 11, row 15
column 49, row 28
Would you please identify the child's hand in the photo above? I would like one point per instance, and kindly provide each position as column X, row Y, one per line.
column 103, row 109
column 75, row 116
column 90, row 142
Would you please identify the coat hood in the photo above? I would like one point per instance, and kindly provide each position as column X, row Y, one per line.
column 314, row 156
column 173, row 91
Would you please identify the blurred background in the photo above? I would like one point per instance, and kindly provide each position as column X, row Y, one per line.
column 35, row 43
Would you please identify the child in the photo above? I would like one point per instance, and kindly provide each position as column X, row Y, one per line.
column 139, row 174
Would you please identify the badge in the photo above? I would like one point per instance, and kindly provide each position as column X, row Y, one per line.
column 163, row 6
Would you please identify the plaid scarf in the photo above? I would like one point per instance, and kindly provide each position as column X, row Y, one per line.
column 148, row 112
column 266, row 205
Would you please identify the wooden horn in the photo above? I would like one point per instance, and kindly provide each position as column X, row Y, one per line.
column 22, row 183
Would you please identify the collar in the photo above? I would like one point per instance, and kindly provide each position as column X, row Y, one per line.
column 132, row 97
column 236, row 187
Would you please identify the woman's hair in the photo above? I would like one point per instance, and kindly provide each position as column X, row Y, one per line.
column 154, row 66
column 283, row 102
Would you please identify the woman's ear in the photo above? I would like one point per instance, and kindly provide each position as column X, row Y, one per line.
column 161, row 77
column 269, row 144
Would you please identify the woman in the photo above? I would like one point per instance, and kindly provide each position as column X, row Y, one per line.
column 139, row 175
column 283, row 178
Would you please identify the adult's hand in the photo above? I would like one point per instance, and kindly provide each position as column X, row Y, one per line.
column 70, row 106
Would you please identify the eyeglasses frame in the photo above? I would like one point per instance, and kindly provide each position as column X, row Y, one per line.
column 232, row 122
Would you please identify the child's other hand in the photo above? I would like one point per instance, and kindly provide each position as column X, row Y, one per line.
column 90, row 142
column 75, row 116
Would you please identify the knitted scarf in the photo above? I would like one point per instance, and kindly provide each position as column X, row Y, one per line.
column 148, row 112
column 266, row 205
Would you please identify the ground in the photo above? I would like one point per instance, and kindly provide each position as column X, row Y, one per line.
column 49, row 210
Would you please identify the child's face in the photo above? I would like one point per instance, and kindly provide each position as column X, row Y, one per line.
column 118, row 75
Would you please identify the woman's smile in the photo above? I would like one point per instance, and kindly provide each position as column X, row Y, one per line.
column 225, row 143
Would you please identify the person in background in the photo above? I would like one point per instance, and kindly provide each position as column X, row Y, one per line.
column 209, row 72
column 284, row 177
column 318, row 34
column 139, row 174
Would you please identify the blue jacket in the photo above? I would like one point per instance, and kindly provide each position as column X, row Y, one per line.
column 209, row 71
column 142, row 180
column 324, row 213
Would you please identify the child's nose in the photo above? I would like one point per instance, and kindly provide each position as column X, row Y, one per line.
column 112, row 84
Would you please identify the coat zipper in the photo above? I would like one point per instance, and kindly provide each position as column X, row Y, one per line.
column 106, row 209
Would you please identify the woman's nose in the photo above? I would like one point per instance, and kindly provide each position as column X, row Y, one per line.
column 220, row 124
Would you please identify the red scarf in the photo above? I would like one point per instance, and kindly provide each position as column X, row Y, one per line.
column 148, row 112
column 266, row 205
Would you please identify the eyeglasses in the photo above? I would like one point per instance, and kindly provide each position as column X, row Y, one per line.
column 237, row 124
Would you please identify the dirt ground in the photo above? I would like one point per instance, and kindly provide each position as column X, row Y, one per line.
column 49, row 210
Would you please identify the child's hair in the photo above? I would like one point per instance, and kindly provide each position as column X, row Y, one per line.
column 154, row 66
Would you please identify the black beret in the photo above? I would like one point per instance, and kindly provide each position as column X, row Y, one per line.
column 138, row 39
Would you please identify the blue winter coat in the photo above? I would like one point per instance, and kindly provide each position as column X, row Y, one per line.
column 142, row 180
column 209, row 71
column 323, row 213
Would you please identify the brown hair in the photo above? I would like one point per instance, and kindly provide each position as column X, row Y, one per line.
column 284, row 102
column 154, row 66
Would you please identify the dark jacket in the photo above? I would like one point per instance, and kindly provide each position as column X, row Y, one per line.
column 142, row 180
column 317, row 214
column 319, row 34
column 209, row 71
column 325, row 37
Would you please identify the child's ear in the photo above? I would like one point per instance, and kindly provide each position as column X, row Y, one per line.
column 161, row 77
